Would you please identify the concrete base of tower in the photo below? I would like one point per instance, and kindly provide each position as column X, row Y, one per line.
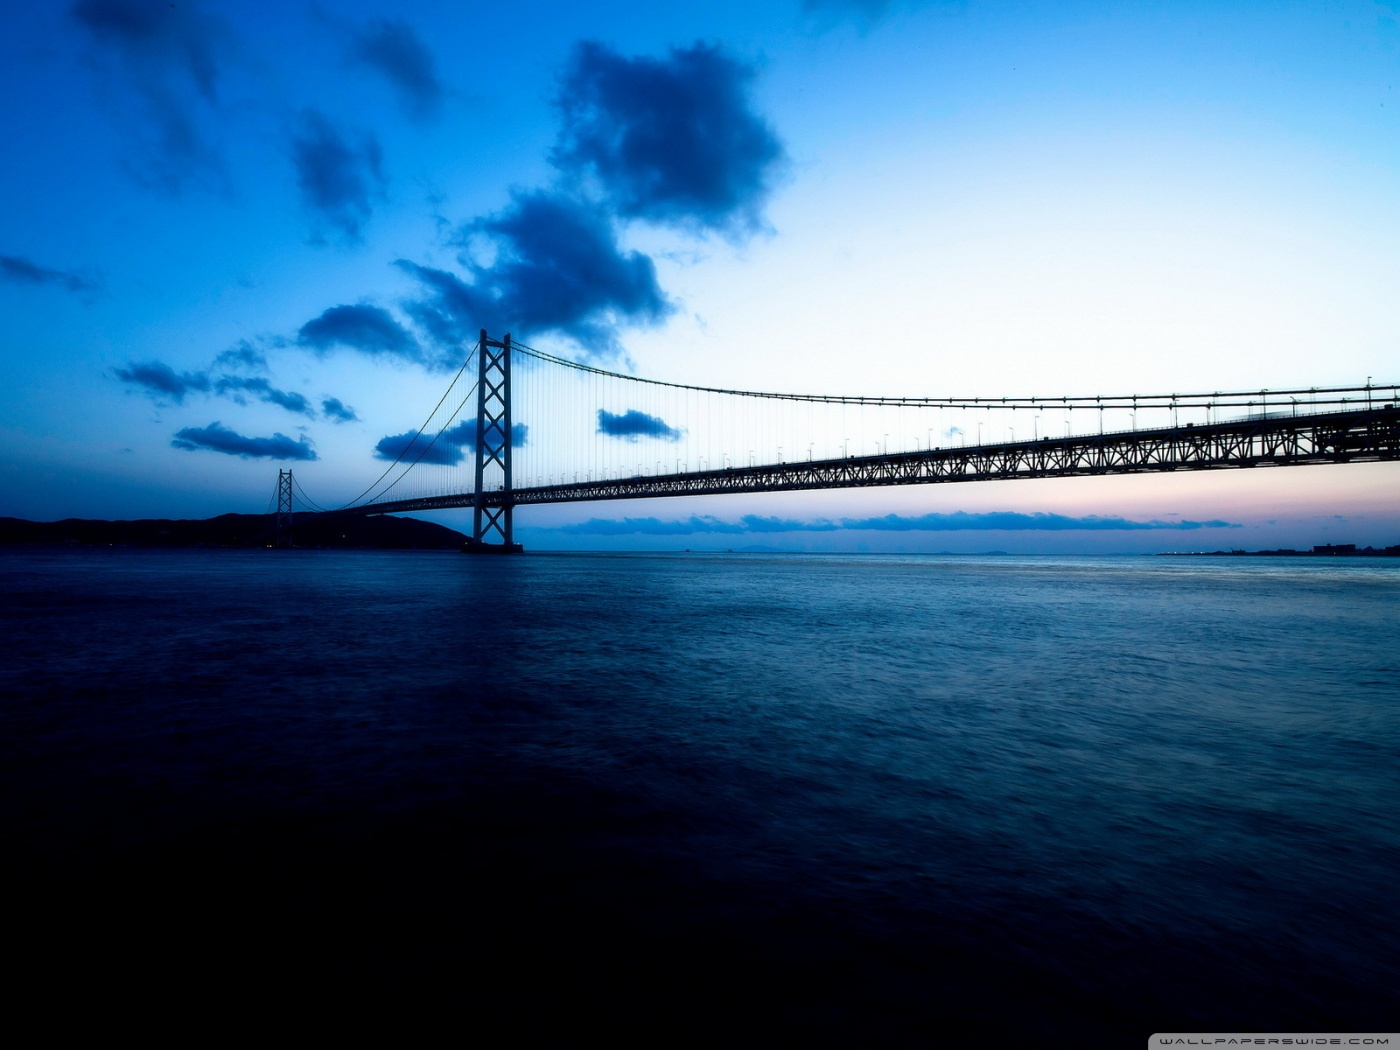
column 475, row 546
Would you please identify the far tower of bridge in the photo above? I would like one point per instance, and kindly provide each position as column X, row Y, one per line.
column 598, row 435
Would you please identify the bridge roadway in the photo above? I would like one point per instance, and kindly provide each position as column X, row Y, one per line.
column 1354, row 436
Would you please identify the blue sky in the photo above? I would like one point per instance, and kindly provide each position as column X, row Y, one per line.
column 238, row 236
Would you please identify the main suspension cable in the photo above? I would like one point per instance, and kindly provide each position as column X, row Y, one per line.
column 404, row 451
column 441, row 430
column 1195, row 400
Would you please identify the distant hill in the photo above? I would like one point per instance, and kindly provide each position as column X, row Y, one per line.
column 381, row 532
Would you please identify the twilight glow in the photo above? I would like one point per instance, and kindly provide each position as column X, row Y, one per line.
column 241, row 238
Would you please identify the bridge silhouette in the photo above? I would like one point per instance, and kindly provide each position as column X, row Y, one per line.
column 582, row 433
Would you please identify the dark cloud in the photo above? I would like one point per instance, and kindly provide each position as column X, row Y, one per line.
column 632, row 425
column 450, row 310
column 368, row 329
column 337, row 411
column 339, row 180
column 162, row 381
column 671, row 140
column 394, row 50
column 236, row 386
column 448, row 450
column 218, row 438
column 1008, row 521
column 244, row 356
column 406, row 446
column 556, row 267
column 25, row 271
column 170, row 55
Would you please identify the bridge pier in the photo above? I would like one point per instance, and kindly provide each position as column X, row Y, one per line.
column 492, row 528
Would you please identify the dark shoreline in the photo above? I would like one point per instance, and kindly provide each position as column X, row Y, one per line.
column 383, row 532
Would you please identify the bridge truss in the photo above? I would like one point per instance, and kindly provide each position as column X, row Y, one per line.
column 1354, row 436
column 603, row 429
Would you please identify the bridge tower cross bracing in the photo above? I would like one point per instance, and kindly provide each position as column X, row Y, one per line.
column 491, row 523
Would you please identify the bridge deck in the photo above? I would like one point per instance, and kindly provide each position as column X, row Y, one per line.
column 1360, row 435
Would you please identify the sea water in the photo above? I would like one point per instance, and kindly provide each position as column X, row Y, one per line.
column 853, row 800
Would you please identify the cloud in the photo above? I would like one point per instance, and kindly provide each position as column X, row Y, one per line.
column 1009, row 521
column 170, row 57
column 160, row 380
column 407, row 446
column 632, row 425
column 218, row 438
column 557, row 267
column 244, row 355
column 368, row 329
column 754, row 523
column 20, row 270
column 865, row 13
column 671, row 140
column 451, row 308
column 337, row 411
column 447, row 450
column 236, row 386
column 339, row 181
column 652, row 527
column 394, row 50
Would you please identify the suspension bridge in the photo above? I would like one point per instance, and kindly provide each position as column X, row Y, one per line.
column 520, row 427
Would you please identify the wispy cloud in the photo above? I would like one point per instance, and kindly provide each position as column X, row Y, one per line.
column 1012, row 521
column 218, row 438
column 340, row 179
column 237, row 386
column 959, row 521
column 162, row 383
column 168, row 55
column 865, row 14
column 243, row 356
column 394, row 49
column 653, row 527
column 18, row 269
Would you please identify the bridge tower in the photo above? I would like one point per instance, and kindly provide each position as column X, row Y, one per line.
column 491, row 526
column 284, row 508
